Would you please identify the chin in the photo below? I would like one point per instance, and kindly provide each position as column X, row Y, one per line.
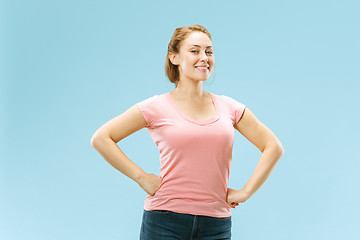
column 203, row 79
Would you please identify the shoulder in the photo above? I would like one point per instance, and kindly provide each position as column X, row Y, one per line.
column 231, row 106
column 153, row 102
column 229, row 101
column 151, row 108
column 153, row 98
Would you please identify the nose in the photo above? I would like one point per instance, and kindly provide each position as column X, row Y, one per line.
column 203, row 57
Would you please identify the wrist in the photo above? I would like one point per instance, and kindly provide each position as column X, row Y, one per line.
column 247, row 192
column 140, row 176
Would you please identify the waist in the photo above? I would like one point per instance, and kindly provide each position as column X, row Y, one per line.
column 210, row 204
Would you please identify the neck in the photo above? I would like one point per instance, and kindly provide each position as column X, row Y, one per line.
column 190, row 90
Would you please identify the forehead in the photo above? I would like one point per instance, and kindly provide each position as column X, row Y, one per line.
column 197, row 38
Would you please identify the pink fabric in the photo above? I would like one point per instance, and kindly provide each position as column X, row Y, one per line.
column 195, row 155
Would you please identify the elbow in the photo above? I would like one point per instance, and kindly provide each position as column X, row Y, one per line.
column 276, row 148
column 95, row 139
column 279, row 149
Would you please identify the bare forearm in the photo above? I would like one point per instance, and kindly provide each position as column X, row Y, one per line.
column 110, row 151
column 266, row 165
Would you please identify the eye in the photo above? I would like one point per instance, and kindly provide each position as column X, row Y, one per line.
column 207, row 52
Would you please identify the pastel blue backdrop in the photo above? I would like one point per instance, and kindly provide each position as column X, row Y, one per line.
column 67, row 67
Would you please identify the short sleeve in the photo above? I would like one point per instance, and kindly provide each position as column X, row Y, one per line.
column 236, row 108
column 149, row 109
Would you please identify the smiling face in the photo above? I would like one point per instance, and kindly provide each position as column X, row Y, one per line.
column 195, row 59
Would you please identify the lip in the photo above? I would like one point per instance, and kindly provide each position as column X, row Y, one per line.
column 205, row 69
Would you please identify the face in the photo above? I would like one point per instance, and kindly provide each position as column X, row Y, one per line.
column 195, row 59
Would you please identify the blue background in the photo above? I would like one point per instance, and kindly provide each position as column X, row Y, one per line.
column 67, row 67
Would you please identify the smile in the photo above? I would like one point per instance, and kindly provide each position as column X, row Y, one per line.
column 202, row 69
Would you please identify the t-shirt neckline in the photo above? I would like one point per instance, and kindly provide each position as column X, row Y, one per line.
column 204, row 122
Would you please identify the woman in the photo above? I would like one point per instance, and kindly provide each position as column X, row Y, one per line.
column 194, row 131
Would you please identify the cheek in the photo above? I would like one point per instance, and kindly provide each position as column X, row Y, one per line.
column 187, row 66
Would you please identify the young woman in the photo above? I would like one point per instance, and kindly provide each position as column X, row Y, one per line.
column 194, row 131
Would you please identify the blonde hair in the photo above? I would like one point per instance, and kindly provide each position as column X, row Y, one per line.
column 180, row 34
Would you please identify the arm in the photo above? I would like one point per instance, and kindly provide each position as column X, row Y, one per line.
column 104, row 141
column 270, row 146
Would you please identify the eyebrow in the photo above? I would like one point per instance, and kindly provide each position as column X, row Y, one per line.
column 200, row 46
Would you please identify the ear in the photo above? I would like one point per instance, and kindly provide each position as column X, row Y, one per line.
column 173, row 58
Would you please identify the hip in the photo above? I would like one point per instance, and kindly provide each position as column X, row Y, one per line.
column 164, row 224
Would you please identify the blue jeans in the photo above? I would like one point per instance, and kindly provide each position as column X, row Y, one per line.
column 167, row 225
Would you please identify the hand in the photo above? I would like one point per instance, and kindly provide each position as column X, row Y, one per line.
column 234, row 197
column 150, row 183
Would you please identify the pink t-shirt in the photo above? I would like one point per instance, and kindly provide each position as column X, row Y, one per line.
column 195, row 155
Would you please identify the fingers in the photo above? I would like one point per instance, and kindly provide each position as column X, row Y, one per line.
column 150, row 184
column 233, row 204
